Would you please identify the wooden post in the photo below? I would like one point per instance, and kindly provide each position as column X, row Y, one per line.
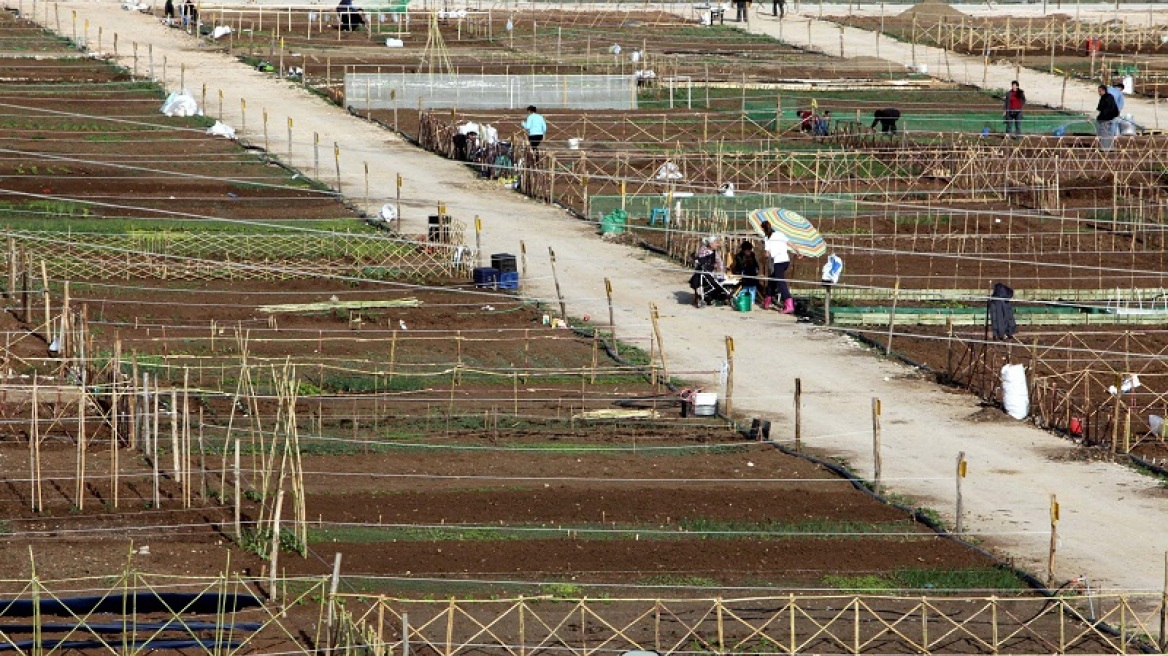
column 961, row 469
column 398, row 201
column 876, row 464
column 892, row 316
column 556, row 279
column 1164, row 609
column 10, row 289
column 798, row 414
column 729, row 375
column 1054, row 518
column 479, row 240
column 611, row 318
column 654, row 315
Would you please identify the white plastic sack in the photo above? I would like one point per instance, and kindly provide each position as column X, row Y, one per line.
column 180, row 103
column 394, row 43
column 1015, row 396
column 220, row 31
column 468, row 127
column 669, row 171
column 1156, row 423
column 221, row 129
column 574, row 143
column 388, row 213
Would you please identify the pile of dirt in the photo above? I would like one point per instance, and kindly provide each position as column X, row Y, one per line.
column 932, row 11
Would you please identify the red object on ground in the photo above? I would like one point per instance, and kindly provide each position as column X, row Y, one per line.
column 1075, row 427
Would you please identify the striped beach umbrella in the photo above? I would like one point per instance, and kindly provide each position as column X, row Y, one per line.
column 804, row 238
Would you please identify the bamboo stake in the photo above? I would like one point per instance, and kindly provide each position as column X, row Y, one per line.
column 34, row 446
column 876, row 462
column 654, row 315
column 1054, row 519
column 611, row 318
column 961, row 470
column 274, row 549
column 556, row 279
column 80, row 492
column 798, row 414
column 729, row 375
column 238, row 485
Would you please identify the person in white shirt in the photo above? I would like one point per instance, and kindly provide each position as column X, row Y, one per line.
column 778, row 249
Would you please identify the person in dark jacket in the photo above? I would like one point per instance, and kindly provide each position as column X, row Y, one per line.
column 709, row 270
column 1001, row 312
column 887, row 119
column 1108, row 112
column 745, row 264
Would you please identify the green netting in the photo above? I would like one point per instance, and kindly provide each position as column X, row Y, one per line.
column 839, row 206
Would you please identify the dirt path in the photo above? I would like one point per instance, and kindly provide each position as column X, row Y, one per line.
column 1041, row 88
column 1013, row 468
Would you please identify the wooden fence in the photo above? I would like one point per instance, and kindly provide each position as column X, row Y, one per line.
column 216, row 256
column 1070, row 378
column 790, row 624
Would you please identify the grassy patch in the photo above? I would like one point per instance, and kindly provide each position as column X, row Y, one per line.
column 987, row 578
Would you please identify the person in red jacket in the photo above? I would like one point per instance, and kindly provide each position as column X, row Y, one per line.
column 1012, row 109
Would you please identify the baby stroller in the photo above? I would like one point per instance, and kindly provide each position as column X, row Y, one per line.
column 708, row 289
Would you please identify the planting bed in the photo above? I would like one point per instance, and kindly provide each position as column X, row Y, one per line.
column 1128, row 44
column 453, row 446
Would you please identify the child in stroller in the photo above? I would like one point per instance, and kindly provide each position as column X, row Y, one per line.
column 709, row 272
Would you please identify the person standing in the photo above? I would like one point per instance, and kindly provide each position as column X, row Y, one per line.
column 742, row 13
column 778, row 250
column 1116, row 91
column 1012, row 109
column 746, row 265
column 1108, row 112
column 887, row 119
column 536, row 128
column 779, row 7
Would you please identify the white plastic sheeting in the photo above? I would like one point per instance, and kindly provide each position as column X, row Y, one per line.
column 221, row 129
column 181, row 103
column 1015, row 396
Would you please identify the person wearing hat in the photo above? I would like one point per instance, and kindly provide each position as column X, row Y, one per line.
column 708, row 271
column 778, row 249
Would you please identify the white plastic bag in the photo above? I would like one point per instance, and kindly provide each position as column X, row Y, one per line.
column 1015, row 396
column 180, row 103
column 221, row 129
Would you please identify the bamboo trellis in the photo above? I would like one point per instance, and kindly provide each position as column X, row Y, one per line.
column 1070, row 379
column 1014, row 34
column 211, row 256
column 239, row 622
column 792, row 624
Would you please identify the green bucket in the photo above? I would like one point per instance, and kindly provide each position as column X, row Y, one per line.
column 742, row 303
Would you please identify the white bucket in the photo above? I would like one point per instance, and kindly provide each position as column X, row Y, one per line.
column 705, row 404
column 574, row 143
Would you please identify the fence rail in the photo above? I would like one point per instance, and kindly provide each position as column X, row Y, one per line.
column 791, row 624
